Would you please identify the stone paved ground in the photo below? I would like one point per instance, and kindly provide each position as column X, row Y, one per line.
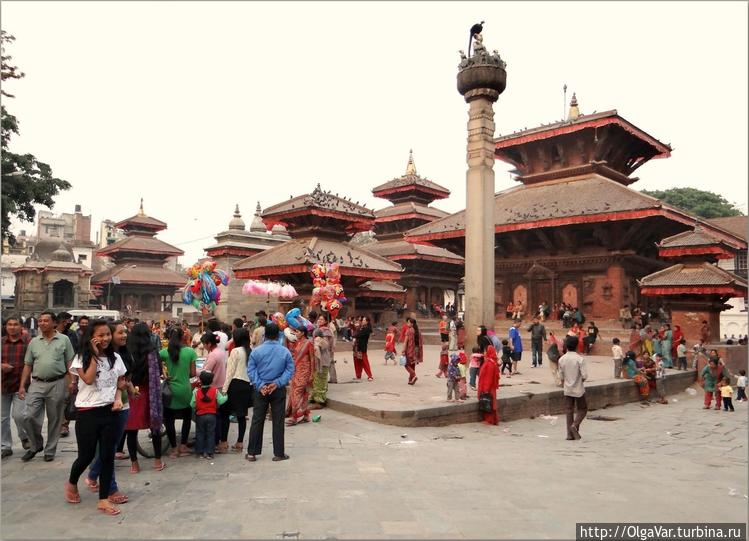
column 349, row 478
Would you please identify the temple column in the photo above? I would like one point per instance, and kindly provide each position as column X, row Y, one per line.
column 50, row 295
column 481, row 80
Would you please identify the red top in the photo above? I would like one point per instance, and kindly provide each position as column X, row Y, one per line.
column 201, row 407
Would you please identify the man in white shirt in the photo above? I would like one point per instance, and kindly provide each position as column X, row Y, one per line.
column 573, row 373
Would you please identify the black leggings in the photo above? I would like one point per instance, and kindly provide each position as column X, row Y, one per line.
column 132, row 444
column 239, row 393
column 170, row 416
column 94, row 427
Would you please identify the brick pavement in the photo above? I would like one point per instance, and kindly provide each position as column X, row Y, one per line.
column 350, row 478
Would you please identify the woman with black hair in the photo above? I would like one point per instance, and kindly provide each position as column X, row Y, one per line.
column 179, row 366
column 100, row 371
column 145, row 406
column 215, row 363
column 361, row 341
column 237, row 386
column 413, row 349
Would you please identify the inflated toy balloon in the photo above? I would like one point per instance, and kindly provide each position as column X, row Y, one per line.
column 201, row 291
column 279, row 319
column 296, row 321
column 327, row 290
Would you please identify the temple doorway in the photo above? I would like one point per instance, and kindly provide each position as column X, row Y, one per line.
column 569, row 295
column 62, row 293
column 520, row 294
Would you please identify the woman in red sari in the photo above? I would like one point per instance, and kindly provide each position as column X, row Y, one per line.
column 413, row 349
column 302, row 350
column 489, row 383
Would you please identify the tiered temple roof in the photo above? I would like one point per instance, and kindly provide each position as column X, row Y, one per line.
column 695, row 279
column 698, row 242
column 320, row 223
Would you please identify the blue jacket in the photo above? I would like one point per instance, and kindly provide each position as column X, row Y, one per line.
column 515, row 340
column 270, row 362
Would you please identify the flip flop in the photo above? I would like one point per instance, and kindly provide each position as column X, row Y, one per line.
column 159, row 468
column 134, row 467
column 109, row 510
column 70, row 496
column 250, row 458
column 292, row 423
column 118, row 498
column 93, row 486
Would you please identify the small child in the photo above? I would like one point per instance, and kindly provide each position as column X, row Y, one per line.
column 618, row 354
column 453, row 377
column 681, row 355
column 473, row 368
column 462, row 388
column 444, row 361
column 660, row 379
column 206, row 401
column 506, row 358
column 726, row 391
column 390, row 345
column 741, row 386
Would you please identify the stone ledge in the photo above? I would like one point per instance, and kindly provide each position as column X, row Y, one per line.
column 599, row 395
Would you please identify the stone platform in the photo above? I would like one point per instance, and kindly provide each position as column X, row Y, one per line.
column 390, row 400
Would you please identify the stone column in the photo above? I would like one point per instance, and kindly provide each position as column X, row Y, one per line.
column 50, row 295
column 481, row 80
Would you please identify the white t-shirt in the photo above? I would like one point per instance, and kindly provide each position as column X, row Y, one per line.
column 617, row 352
column 103, row 390
column 741, row 381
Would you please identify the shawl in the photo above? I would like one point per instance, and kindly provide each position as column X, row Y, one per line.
column 154, row 391
column 489, row 376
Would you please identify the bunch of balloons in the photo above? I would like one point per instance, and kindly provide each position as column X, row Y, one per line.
column 327, row 289
column 295, row 320
column 274, row 289
column 202, row 290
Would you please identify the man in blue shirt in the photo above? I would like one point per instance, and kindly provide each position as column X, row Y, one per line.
column 270, row 369
column 516, row 345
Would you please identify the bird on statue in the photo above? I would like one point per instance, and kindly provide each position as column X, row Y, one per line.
column 475, row 29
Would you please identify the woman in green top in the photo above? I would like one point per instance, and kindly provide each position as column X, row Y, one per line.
column 629, row 365
column 179, row 362
column 713, row 373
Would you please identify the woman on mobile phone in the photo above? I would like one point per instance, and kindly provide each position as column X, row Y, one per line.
column 101, row 374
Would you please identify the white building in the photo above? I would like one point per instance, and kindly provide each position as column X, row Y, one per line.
column 735, row 322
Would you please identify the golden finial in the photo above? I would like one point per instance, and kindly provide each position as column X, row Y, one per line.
column 411, row 167
column 140, row 212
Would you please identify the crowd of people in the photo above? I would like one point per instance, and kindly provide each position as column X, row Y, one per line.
column 118, row 378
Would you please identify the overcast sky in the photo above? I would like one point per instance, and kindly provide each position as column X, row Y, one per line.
column 196, row 106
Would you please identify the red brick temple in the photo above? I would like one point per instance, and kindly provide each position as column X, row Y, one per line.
column 428, row 271
column 573, row 230
column 695, row 289
column 320, row 225
column 140, row 284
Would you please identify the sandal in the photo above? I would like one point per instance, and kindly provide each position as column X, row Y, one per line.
column 173, row 454
column 250, row 458
column 291, row 423
column 303, row 420
column 108, row 510
column 134, row 467
column 160, row 467
column 92, row 485
column 118, row 498
column 71, row 493
column 237, row 447
column 279, row 458
column 120, row 456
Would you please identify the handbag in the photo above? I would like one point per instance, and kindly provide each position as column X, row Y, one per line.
column 485, row 402
column 166, row 393
column 71, row 412
column 402, row 361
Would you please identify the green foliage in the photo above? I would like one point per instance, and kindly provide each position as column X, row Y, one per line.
column 25, row 180
column 699, row 202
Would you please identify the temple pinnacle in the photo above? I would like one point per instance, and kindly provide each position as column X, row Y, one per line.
column 258, row 209
column 574, row 112
column 411, row 167
column 140, row 212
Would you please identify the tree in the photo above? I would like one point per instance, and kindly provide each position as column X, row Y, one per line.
column 25, row 180
column 699, row 202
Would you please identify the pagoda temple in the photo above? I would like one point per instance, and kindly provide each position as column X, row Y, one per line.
column 234, row 245
column 428, row 271
column 320, row 225
column 573, row 231
column 695, row 289
column 139, row 284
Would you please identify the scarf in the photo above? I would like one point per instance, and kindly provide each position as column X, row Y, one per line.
column 154, row 392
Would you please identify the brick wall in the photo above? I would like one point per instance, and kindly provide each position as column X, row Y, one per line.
column 691, row 322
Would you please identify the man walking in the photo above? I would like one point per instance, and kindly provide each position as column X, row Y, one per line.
column 538, row 337
column 14, row 345
column 47, row 361
column 270, row 369
column 573, row 373
column 516, row 346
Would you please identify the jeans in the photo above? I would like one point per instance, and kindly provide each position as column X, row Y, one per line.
column 728, row 403
column 12, row 406
column 260, row 403
column 49, row 396
column 538, row 356
column 682, row 363
column 95, row 470
column 95, row 427
column 574, row 418
column 472, row 373
column 205, row 442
